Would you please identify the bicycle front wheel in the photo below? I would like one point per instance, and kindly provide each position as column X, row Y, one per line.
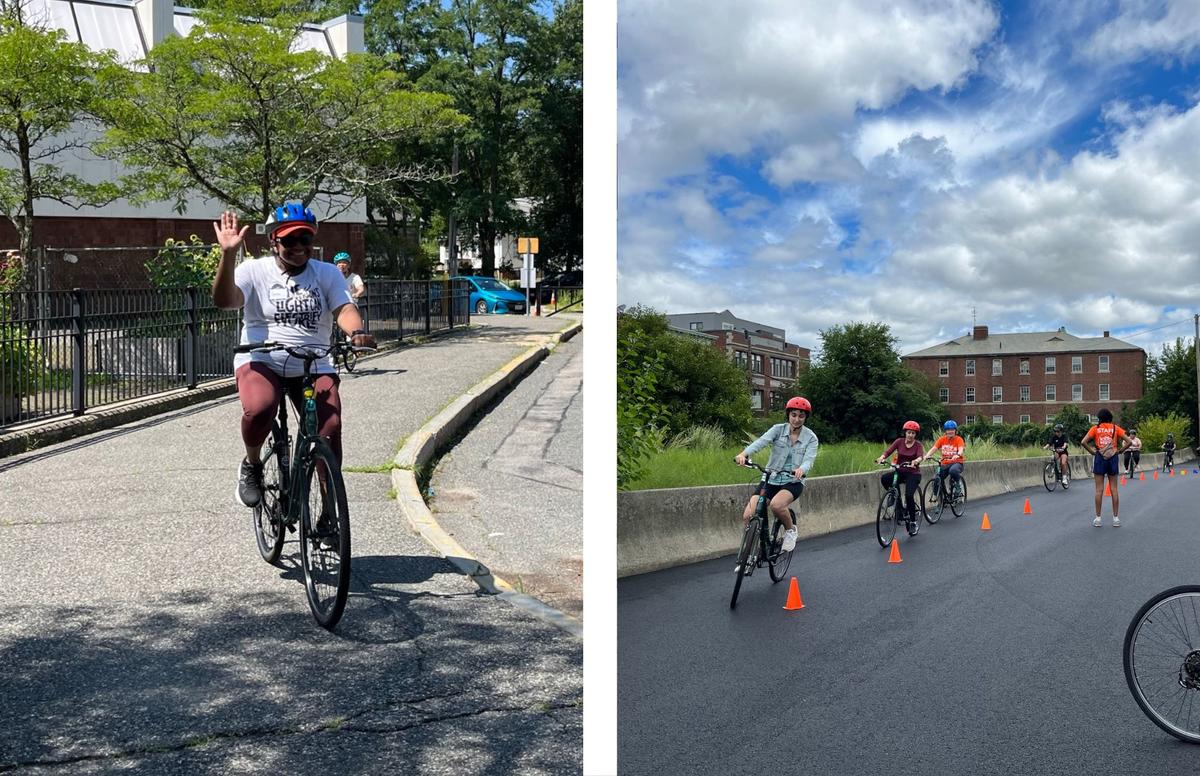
column 749, row 537
column 1162, row 661
column 1049, row 477
column 271, row 511
column 350, row 360
column 324, row 536
column 958, row 504
column 930, row 503
column 778, row 560
column 885, row 517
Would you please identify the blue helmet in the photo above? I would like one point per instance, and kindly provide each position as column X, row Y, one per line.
column 289, row 217
column 340, row 257
column 949, row 424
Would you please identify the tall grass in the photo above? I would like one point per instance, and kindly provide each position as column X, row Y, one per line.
column 708, row 460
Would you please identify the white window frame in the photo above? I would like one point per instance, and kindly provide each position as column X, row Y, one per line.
column 1051, row 392
column 1103, row 392
column 695, row 325
column 1024, row 418
column 756, row 399
column 997, row 420
column 1051, row 365
column 944, row 394
column 970, row 419
column 997, row 367
column 1076, row 395
column 1049, row 419
column 1024, row 367
column 970, row 367
column 943, row 369
column 970, row 396
column 1102, row 365
column 997, row 393
column 1024, row 393
column 1076, row 365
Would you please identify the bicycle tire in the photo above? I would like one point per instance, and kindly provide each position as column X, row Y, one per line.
column 1049, row 478
column 749, row 537
column 349, row 360
column 778, row 561
column 326, row 568
column 271, row 511
column 958, row 503
column 885, row 517
column 1155, row 663
column 934, row 514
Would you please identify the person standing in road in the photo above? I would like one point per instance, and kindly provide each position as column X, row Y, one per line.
column 793, row 451
column 353, row 281
column 1106, row 441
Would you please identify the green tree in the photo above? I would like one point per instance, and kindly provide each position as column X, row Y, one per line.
column 1074, row 422
column 859, row 388
column 1171, row 384
column 48, row 94
column 1154, row 429
column 233, row 112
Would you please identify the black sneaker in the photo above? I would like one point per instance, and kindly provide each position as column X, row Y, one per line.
column 912, row 526
column 249, row 487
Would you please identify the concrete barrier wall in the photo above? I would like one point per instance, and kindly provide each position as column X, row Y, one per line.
column 658, row 529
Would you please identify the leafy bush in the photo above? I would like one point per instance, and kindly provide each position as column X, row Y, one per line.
column 1153, row 431
column 639, row 412
column 20, row 364
column 180, row 264
column 699, row 438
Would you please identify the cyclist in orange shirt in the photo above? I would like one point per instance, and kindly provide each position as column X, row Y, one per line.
column 950, row 446
column 1106, row 441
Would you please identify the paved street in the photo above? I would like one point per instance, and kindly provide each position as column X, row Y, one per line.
column 993, row 652
column 145, row 634
column 511, row 491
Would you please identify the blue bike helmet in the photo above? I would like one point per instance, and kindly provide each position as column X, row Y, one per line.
column 949, row 424
column 340, row 257
column 290, row 217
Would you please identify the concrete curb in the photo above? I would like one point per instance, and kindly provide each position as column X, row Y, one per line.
column 420, row 448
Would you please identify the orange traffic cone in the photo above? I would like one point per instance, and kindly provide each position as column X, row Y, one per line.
column 987, row 526
column 1142, row 478
column 1182, row 472
column 1107, row 487
column 1156, row 474
column 1028, row 511
column 793, row 601
column 1172, row 474
column 1122, row 479
column 553, row 299
column 895, row 556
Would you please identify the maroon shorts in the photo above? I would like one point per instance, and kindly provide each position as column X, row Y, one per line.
column 261, row 388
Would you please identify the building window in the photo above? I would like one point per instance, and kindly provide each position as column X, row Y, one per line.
column 997, row 420
column 1103, row 391
column 997, row 367
column 756, row 400
column 1103, row 364
column 1076, row 365
column 1024, row 418
column 694, row 325
column 756, row 363
column 776, row 400
column 1049, row 419
column 781, row 367
column 944, row 395
column 1077, row 392
column 970, row 395
column 970, row 367
column 943, row 369
column 727, row 327
column 997, row 393
column 1024, row 393
column 970, row 419
column 1050, row 365
column 1094, row 420
column 1024, row 366
column 1051, row 390
column 739, row 358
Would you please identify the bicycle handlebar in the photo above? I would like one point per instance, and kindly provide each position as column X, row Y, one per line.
column 306, row 353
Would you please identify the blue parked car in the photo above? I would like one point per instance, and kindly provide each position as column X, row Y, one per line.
column 489, row 295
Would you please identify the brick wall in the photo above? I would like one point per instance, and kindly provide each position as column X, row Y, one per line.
column 729, row 341
column 1124, row 379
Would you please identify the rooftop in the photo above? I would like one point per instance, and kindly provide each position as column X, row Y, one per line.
column 1031, row 343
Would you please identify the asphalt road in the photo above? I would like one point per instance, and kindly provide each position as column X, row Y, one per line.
column 993, row 652
column 511, row 490
column 143, row 633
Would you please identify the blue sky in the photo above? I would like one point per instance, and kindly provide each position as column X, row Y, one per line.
column 915, row 162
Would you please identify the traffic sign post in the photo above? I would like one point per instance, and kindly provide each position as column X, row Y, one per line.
column 527, row 247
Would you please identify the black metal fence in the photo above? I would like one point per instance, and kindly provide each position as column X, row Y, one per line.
column 64, row 352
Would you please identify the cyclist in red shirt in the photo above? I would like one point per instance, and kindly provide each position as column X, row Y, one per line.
column 909, row 454
column 1106, row 441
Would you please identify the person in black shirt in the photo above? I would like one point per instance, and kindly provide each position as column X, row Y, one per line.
column 1058, row 443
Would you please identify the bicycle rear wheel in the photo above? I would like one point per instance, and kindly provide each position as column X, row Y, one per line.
column 1162, row 661
column 1049, row 477
column 271, row 511
column 324, row 536
column 958, row 502
column 930, row 503
column 778, row 560
column 885, row 517
column 749, row 537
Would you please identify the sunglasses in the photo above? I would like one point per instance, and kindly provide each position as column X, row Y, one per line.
column 292, row 240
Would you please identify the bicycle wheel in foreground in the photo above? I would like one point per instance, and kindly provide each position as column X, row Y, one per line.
column 885, row 518
column 1049, row 477
column 778, row 560
column 1162, row 661
column 270, row 513
column 350, row 360
column 931, row 505
column 959, row 501
column 325, row 538
column 749, row 537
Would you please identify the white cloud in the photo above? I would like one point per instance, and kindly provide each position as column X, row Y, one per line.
column 1147, row 27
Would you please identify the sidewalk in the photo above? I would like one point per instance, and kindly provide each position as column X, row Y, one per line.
column 144, row 632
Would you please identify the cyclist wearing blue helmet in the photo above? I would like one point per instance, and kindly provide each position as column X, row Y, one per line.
column 950, row 446
column 284, row 298
column 357, row 287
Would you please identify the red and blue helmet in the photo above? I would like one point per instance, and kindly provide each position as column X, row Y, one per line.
column 288, row 218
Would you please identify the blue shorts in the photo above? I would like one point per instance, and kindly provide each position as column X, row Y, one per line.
column 1102, row 465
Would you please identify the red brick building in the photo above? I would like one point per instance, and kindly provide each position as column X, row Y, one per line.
column 772, row 361
column 1028, row 378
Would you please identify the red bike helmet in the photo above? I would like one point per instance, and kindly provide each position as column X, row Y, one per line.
column 912, row 425
column 799, row 403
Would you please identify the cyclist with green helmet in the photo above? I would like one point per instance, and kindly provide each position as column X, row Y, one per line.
column 286, row 298
column 355, row 283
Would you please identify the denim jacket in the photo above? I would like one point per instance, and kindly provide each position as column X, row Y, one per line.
column 785, row 455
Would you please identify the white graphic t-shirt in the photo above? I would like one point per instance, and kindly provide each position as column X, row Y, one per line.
column 289, row 309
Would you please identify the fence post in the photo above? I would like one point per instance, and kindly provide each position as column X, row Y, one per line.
column 78, row 352
column 428, row 303
column 451, row 284
column 191, row 343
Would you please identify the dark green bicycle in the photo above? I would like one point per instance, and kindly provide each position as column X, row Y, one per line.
column 303, row 485
column 762, row 539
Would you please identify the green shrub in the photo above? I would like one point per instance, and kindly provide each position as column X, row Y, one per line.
column 1153, row 431
column 180, row 264
column 20, row 364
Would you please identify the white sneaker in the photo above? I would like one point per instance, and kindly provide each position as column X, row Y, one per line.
column 1096, row 522
column 789, row 540
column 1116, row 522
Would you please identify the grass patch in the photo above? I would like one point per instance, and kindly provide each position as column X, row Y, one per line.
column 682, row 467
column 392, row 494
column 380, row 469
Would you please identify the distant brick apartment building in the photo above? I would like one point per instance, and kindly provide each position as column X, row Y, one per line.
column 1028, row 378
column 773, row 362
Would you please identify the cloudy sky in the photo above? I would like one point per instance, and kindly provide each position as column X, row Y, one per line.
column 806, row 163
